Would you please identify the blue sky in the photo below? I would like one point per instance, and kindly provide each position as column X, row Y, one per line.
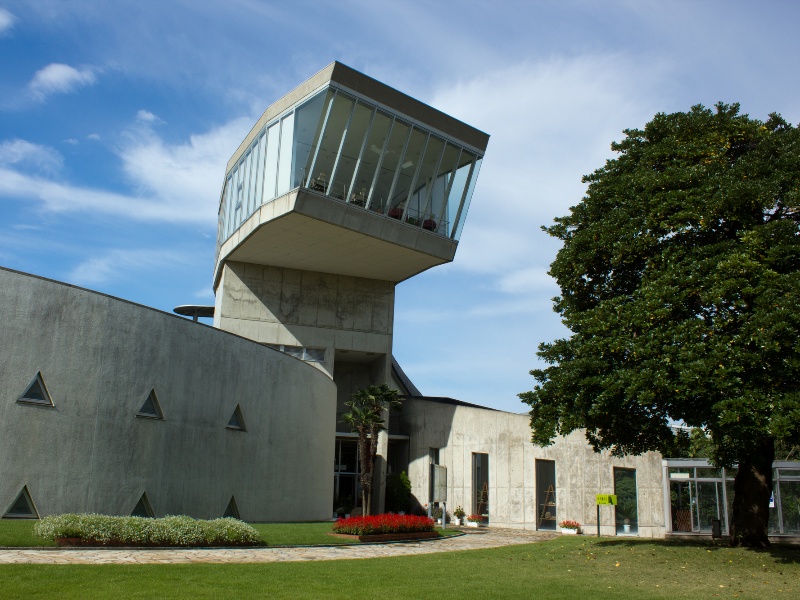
column 117, row 120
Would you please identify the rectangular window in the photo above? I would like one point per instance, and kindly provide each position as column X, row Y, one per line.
column 546, row 494
column 285, row 159
column 626, row 510
column 480, row 484
column 271, row 162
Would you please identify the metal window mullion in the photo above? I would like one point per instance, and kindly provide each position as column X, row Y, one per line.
column 380, row 162
column 361, row 152
column 463, row 196
column 435, row 171
column 449, row 186
column 397, row 172
column 341, row 146
column 319, row 141
column 416, row 176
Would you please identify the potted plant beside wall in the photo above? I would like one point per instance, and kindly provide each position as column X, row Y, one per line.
column 458, row 513
column 570, row 527
column 476, row 521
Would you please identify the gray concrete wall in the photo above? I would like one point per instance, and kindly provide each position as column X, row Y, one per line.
column 306, row 308
column 460, row 431
column 100, row 357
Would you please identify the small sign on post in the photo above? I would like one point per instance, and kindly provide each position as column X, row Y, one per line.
column 603, row 499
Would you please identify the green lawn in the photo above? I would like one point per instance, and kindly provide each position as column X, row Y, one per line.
column 566, row 567
column 20, row 533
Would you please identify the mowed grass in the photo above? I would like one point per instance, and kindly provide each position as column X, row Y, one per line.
column 19, row 533
column 566, row 567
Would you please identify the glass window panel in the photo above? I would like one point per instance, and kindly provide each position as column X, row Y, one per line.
column 285, row 160
column 237, row 198
column 331, row 139
column 680, row 506
column 259, row 198
column 462, row 217
column 309, row 119
column 388, row 167
column 271, row 162
column 353, row 141
column 546, row 517
column 707, row 501
column 790, row 506
column 784, row 473
column 296, row 351
column 436, row 205
column 408, row 169
column 418, row 204
column 315, row 354
column 708, row 472
column 251, row 182
column 371, row 156
column 626, row 510
column 460, row 182
column 226, row 207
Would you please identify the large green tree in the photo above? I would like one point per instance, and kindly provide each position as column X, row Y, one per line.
column 365, row 415
column 680, row 284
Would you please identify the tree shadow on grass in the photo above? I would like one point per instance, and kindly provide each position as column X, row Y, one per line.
column 784, row 553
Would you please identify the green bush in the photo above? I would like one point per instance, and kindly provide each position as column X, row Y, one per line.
column 398, row 492
column 140, row 531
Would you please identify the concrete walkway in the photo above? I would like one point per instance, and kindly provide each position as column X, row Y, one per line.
column 488, row 538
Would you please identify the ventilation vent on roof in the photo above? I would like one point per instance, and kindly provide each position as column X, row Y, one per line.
column 151, row 409
column 232, row 510
column 23, row 507
column 143, row 508
column 237, row 420
column 36, row 393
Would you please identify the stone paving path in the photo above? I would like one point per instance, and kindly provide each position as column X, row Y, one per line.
column 489, row 538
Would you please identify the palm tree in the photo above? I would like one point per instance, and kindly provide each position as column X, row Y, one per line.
column 366, row 417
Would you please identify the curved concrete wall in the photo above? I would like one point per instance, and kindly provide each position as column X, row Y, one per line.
column 100, row 357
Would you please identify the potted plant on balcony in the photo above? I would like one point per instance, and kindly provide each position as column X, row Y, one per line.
column 570, row 527
column 459, row 514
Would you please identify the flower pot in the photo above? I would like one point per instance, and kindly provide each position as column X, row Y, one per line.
column 456, row 520
column 566, row 531
column 472, row 523
column 626, row 528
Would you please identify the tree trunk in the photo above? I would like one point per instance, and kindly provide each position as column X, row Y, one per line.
column 752, row 489
column 366, row 471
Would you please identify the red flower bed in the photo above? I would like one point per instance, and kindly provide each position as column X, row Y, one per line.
column 376, row 524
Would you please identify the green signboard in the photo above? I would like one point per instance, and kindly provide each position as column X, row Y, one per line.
column 606, row 499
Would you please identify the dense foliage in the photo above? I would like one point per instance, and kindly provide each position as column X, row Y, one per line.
column 388, row 523
column 140, row 531
column 680, row 284
column 398, row 492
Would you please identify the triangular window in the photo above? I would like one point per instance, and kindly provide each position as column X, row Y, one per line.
column 143, row 508
column 23, row 507
column 151, row 409
column 237, row 420
column 36, row 392
column 232, row 510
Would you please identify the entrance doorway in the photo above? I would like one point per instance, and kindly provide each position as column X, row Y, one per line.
column 480, row 484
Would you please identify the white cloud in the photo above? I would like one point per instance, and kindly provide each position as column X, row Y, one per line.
column 71, row 141
column 57, row 78
column 175, row 183
column 24, row 154
column 118, row 263
column 93, row 136
column 6, row 21
column 146, row 116
column 550, row 122
column 184, row 177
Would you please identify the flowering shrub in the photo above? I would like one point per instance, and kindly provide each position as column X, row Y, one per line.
column 376, row 524
column 459, row 512
column 139, row 531
column 477, row 519
column 569, row 525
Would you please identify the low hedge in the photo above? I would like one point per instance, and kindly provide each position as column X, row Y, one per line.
column 376, row 524
column 140, row 531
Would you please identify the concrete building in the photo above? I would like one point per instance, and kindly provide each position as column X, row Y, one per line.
column 343, row 188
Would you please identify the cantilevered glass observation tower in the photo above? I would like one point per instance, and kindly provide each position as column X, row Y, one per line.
column 379, row 168
column 343, row 188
